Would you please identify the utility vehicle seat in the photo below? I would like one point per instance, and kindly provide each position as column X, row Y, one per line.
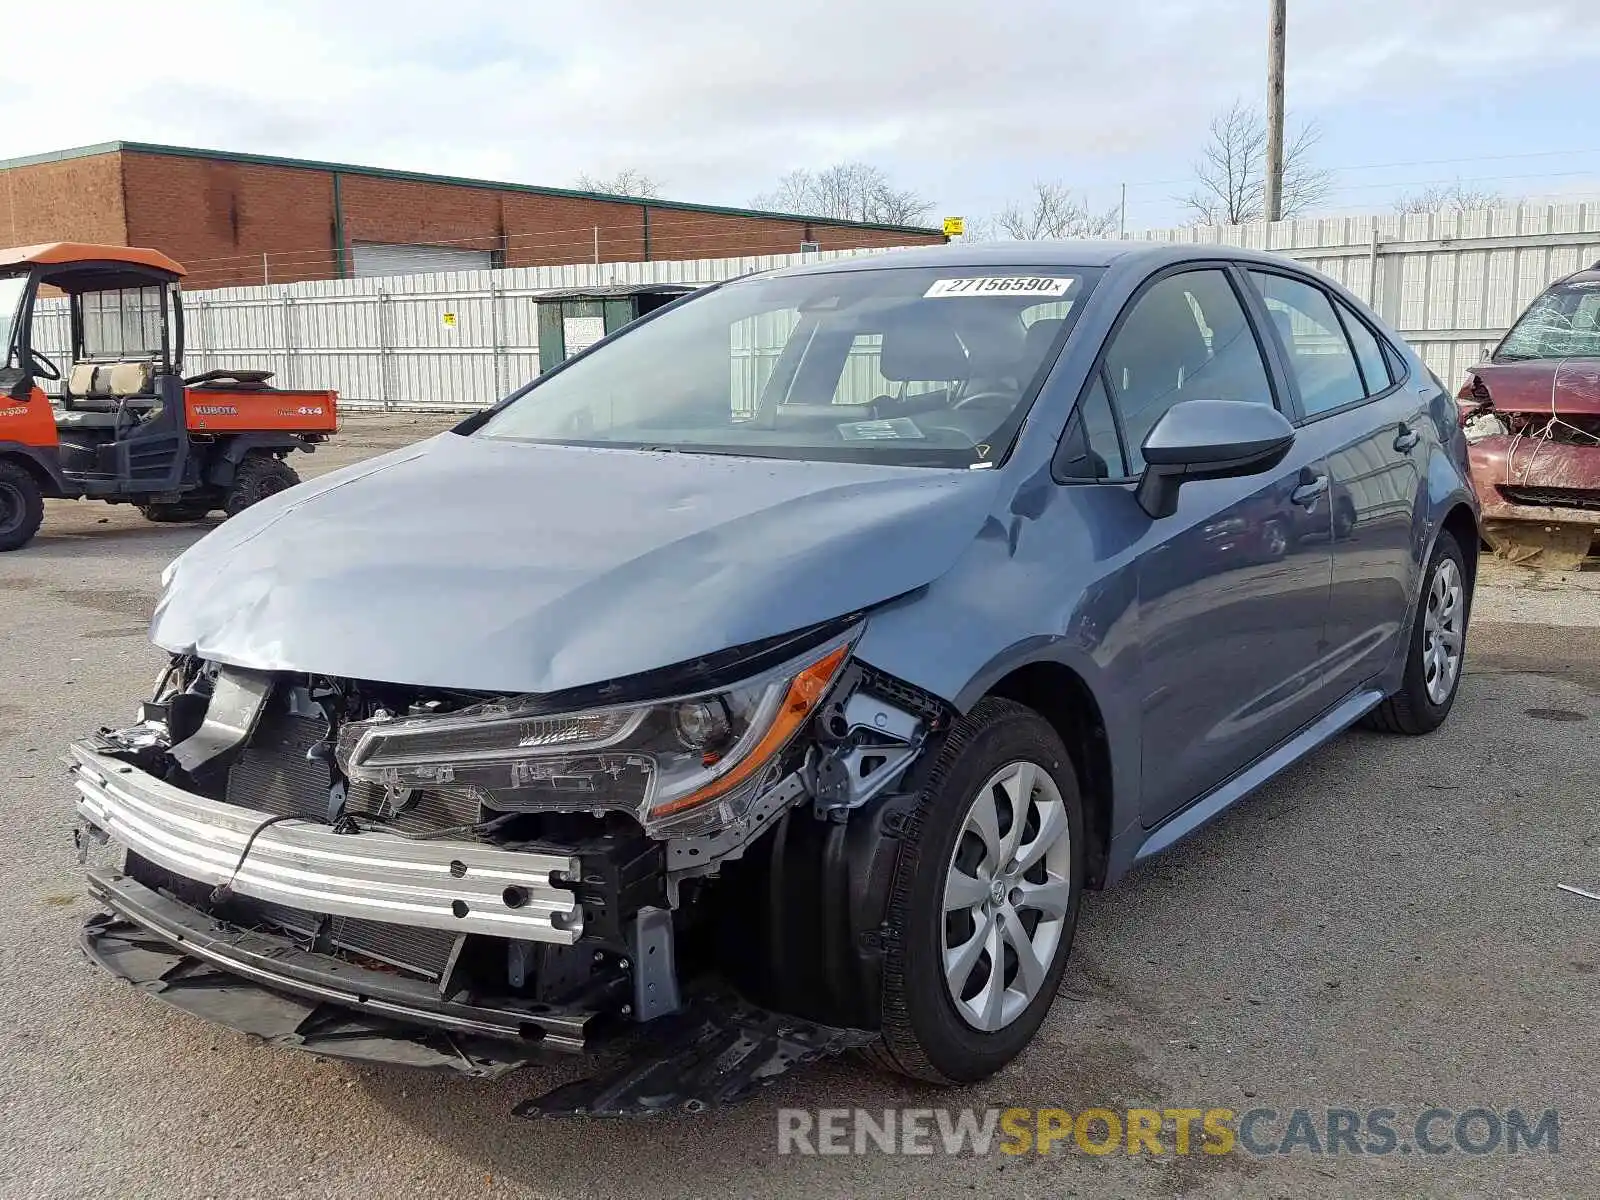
column 102, row 387
column 80, row 381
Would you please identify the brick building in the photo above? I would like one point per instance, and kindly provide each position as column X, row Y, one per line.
column 248, row 218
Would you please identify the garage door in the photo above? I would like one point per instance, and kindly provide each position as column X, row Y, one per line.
column 388, row 258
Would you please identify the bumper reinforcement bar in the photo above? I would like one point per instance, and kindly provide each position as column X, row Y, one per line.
column 457, row 886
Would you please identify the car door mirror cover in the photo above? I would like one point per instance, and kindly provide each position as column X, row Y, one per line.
column 1209, row 439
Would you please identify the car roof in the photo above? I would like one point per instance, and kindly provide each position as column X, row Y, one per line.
column 1076, row 253
column 1587, row 275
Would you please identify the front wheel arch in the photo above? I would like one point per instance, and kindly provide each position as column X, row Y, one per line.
column 1460, row 523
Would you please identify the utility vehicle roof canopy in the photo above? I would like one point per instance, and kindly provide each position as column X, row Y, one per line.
column 84, row 267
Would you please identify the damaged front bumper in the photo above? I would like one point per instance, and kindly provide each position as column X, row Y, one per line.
column 1540, row 498
column 458, row 886
column 262, row 887
column 266, row 985
column 718, row 1050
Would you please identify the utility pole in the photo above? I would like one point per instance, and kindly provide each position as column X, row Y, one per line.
column 1277, row 35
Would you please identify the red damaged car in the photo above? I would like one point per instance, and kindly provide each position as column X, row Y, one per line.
column 1531, row 414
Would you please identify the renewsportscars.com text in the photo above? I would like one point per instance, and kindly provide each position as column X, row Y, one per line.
column 1182, row 1131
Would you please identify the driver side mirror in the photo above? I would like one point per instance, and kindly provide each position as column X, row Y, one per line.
column 1209, row 439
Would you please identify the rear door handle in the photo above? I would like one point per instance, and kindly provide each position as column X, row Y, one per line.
column 1406, row 441
column 1307, row 494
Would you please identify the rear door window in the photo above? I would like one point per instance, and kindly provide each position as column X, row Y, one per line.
column 1369, row 354
column 1319, row 353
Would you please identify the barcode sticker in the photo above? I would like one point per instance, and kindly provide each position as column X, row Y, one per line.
column 998, row 285
column 893, row 429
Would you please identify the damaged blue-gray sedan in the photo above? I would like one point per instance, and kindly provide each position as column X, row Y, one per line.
column 770, row 679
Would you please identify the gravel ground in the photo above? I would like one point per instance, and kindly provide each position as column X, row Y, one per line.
column 1380, row 927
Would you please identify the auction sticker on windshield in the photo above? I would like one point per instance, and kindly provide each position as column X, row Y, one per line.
column 892, row 430
column 998, row 285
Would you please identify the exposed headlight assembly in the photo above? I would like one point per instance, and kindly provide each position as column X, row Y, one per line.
column 1484, row 424
column 685, row 766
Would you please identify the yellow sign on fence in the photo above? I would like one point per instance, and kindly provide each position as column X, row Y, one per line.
column 955, row 226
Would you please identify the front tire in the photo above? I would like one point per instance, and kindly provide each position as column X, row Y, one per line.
column 260, row 475
column 984, row 902
column 21, row 505
column 1436, row 650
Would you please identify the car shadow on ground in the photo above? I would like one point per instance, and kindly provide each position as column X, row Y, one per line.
column 1090, row 1052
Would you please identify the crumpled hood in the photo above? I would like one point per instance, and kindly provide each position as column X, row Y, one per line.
column 1571, row 385
column 473, row 563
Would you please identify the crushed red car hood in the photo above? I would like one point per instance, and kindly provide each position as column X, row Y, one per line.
column 1527, row 386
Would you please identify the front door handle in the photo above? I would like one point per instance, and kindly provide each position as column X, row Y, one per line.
column 1406, row 441
column 1307, row 494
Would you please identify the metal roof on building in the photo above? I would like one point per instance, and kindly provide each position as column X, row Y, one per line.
column 306, row 164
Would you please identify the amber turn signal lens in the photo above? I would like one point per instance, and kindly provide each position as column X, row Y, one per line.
column 805, row 692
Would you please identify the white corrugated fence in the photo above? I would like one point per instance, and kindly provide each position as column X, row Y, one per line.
column 1450, row 283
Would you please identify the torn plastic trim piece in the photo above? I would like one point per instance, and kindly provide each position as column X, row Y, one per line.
column 719, row 1051
column 201, row 989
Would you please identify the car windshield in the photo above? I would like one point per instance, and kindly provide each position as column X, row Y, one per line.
column 1562, row 323
column 910, row 366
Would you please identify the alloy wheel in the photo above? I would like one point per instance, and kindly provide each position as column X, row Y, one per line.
column 1006, row 895
column 1443, row 631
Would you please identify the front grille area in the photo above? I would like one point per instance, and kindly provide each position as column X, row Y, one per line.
column 277, row 773
column 285, row 771
column 424, row 952
column 1554, row 497
column 274, row 773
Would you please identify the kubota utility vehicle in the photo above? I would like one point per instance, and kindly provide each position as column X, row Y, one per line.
column 130, row 428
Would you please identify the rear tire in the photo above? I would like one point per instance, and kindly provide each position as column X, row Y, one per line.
column 1425, row 697
column 260, row 475
column 21, row 505
column 943, row 1019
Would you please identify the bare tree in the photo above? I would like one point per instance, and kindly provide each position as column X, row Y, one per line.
column 980, row 229
column 1052, row 211
column 630, row 181
column 846, row 191
column 1456, row 197
column 1231, row 173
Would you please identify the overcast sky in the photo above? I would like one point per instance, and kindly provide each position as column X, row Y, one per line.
column 965, row 102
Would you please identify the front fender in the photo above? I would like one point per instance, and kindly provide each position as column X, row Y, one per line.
column 45, row 463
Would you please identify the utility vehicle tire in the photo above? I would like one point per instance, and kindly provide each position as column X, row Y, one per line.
column 1436, row 650
column 1003, row 794
column 171, row 514
column 21, row 505
column 260, row 475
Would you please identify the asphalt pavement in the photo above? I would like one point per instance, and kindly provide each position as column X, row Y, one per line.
column 1378, row 928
